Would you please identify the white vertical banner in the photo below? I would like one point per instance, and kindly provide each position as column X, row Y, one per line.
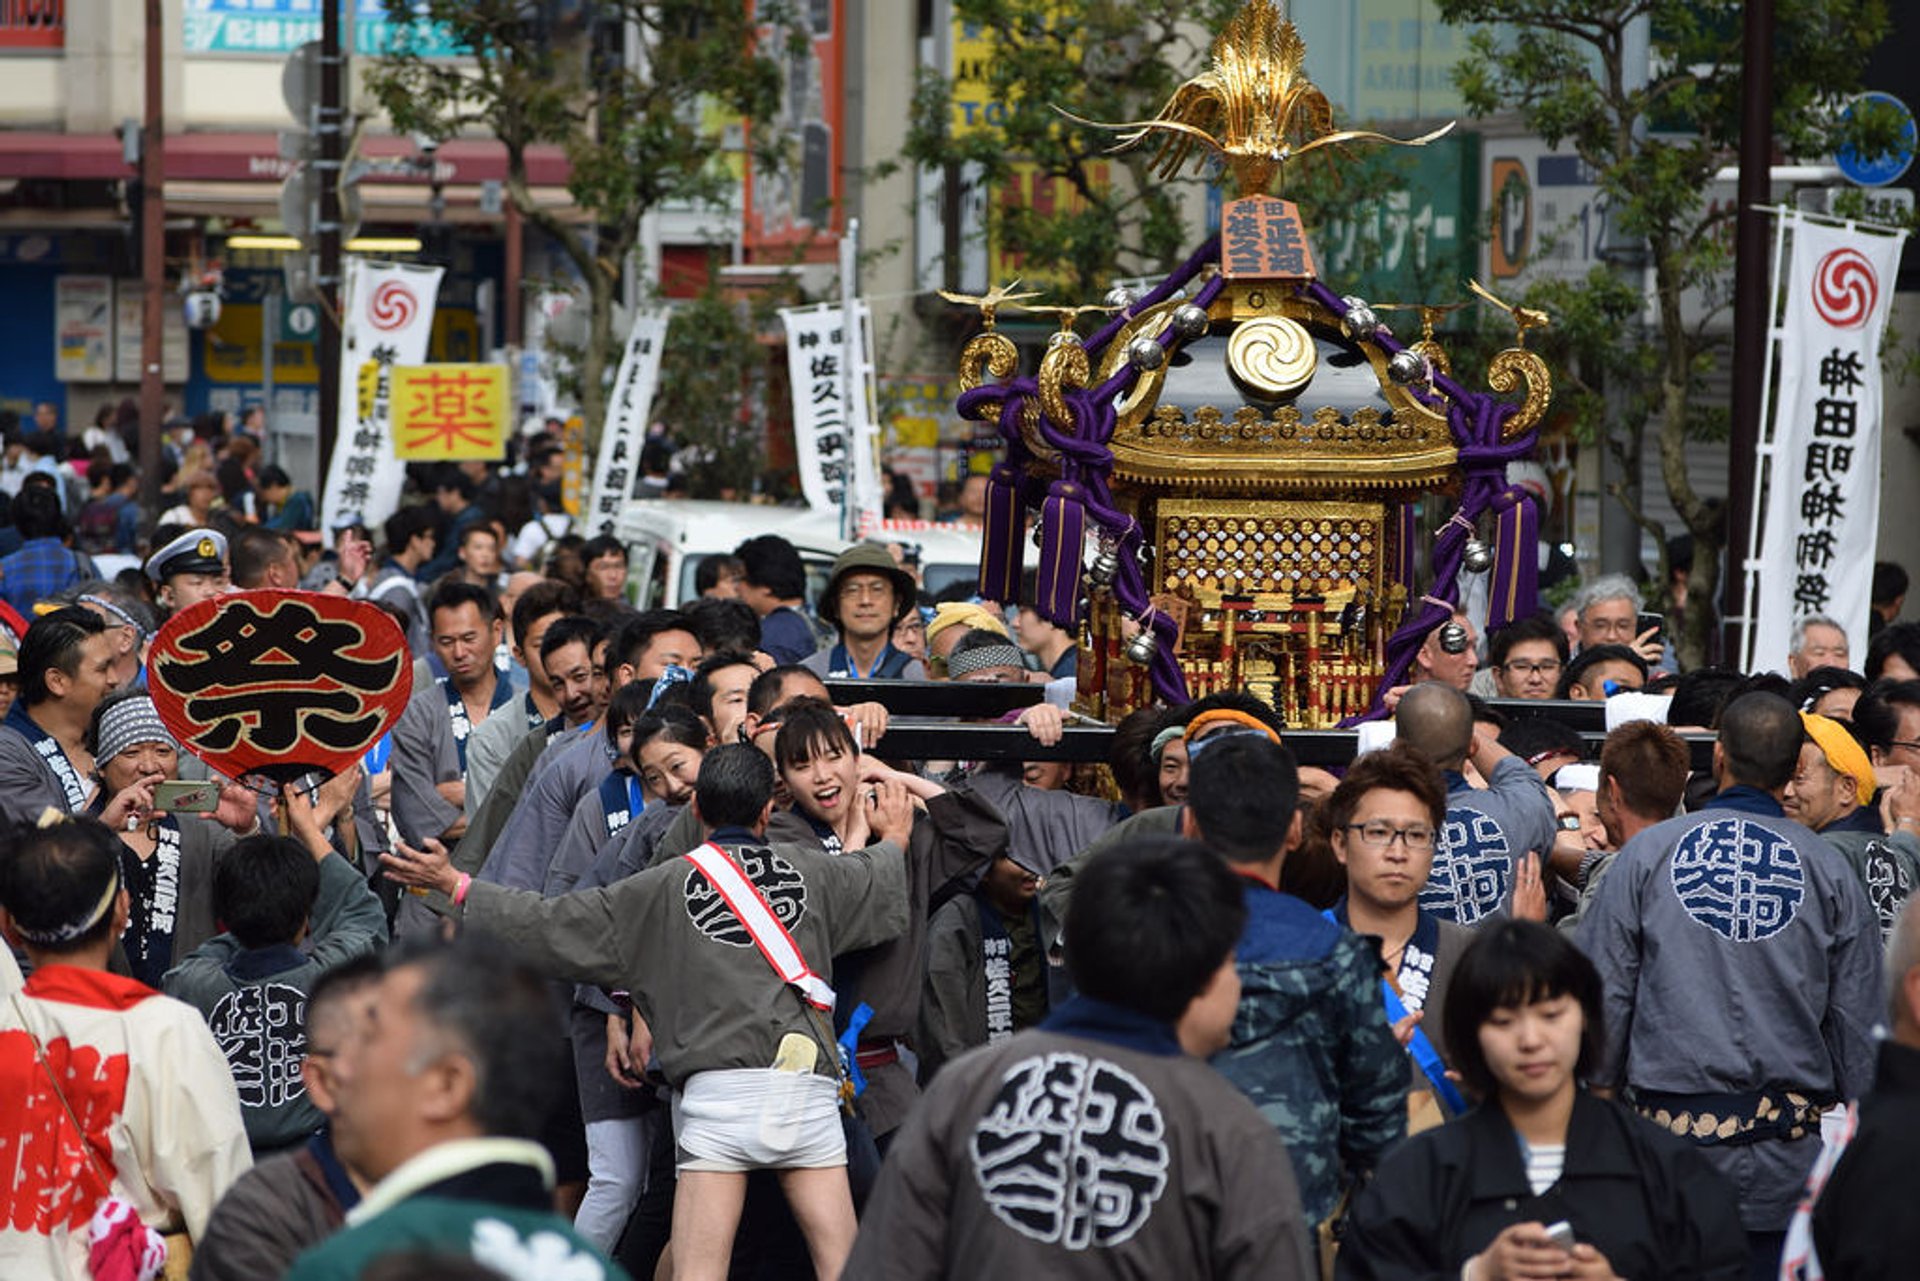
column 863, row 425
column 823, row 423
column 629, row 404
column 1823, row 495
column 386, row 317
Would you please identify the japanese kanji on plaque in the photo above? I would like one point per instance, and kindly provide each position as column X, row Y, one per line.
column 278, row 683
column 450, row 411
column 1261, row 236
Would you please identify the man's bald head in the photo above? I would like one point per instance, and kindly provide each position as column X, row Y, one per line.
column 1903, row 974
column 1437, row 719
column 1759, row 743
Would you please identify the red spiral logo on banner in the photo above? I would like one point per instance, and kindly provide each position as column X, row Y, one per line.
column 1845, row 289
column 393, row 306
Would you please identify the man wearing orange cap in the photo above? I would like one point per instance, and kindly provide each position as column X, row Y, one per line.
column 1832, row 791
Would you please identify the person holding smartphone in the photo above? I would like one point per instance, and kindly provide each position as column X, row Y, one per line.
column 1541, row 1179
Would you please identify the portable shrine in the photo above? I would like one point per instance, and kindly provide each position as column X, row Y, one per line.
column 1223, row 480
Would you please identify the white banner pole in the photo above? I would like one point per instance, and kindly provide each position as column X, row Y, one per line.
column 1764, row 469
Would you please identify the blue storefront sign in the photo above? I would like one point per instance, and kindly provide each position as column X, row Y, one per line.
column 278, row 27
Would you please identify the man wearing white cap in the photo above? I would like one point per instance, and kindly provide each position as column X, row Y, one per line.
column 190, row 569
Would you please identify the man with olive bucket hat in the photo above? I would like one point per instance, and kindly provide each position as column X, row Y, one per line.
column 866, row 595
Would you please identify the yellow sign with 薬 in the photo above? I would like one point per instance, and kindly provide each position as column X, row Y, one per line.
column 444, row 412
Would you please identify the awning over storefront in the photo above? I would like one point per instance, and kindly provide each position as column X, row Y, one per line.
column 256, row 158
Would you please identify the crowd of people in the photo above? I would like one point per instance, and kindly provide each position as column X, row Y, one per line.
column 631, row 950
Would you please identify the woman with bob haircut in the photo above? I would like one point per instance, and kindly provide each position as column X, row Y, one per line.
column 1541, row 1179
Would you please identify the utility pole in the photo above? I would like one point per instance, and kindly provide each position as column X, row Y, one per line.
column 1752, row 302
column 329, row 131
column 153, row 265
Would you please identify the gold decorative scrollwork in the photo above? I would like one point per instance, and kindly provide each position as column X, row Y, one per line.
column 1504, row 375
column 1150, row 322
column 1064, row 367
column 991, row 352
column 1272, row 355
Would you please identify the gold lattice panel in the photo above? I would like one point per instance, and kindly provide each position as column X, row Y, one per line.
column 1213, row 548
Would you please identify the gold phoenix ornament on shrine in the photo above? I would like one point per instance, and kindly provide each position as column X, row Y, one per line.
column 1254, row 107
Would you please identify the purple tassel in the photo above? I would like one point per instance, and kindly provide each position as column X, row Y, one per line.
column 1406, row 528
column 1063, row 536
column 1003, row 545
column 1516, row 557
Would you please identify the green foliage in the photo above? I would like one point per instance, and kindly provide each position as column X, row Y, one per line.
column 1560, row 66
column 636, row 136
column 713, row 390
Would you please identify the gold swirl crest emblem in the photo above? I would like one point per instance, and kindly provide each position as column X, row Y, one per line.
column 1272, row 355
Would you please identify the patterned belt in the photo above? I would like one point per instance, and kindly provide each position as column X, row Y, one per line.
column 1784, row 1112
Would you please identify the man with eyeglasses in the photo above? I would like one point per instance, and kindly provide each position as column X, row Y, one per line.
column 1886, row 719
column 1527, row 657
column 866, row 595
column 1609, row 614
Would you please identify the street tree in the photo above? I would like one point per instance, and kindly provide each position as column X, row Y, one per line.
column 635, row 93
column 717, row 397
column 1059, row 201
column 1653, row 144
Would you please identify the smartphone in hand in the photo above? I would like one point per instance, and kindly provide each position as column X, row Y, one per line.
column 179, row 796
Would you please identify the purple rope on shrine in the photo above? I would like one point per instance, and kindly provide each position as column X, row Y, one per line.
column 1475, row 420
column 1166, row 289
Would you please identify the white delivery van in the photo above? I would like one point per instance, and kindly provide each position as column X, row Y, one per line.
column 666, row 538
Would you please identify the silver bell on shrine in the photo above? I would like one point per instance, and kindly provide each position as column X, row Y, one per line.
column 1361, row 322
column 1145, row 354
column 1453, row 639
column 1408, row 368
column 1477, row 558
column 1189, row 321
column 1105, row 567
column 1142, row 648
